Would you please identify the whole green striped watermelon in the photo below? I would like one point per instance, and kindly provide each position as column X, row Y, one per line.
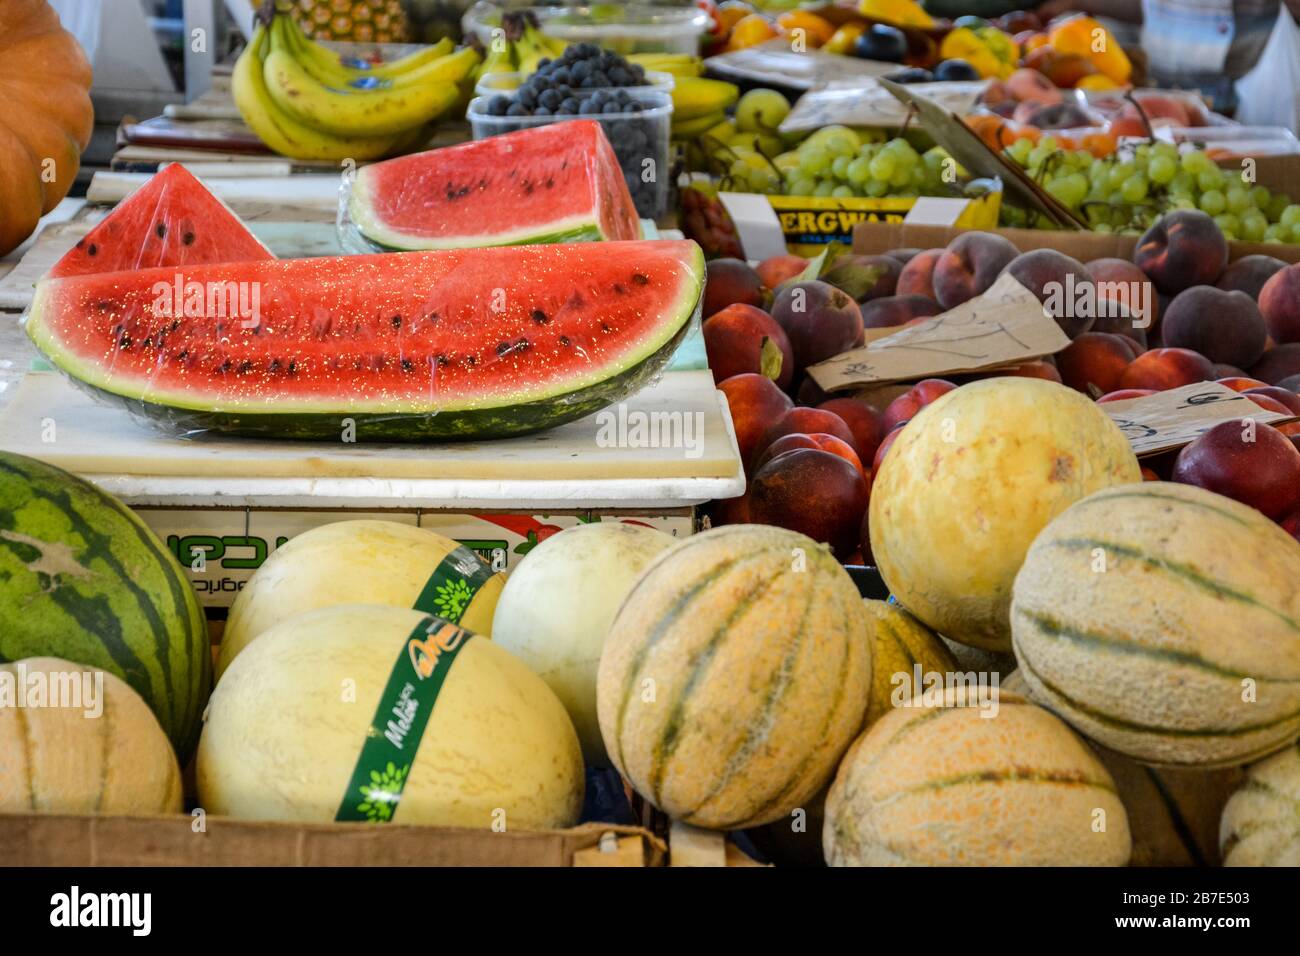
column 83, row 578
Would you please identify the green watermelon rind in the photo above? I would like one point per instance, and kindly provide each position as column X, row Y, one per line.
column 582, row 395
column 381, row 238
column 115, row 583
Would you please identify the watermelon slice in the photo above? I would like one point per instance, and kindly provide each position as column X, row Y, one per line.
column 466, row 343
column 172, row 220
column 555, row 183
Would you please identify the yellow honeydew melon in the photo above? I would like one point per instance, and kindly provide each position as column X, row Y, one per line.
column 899, row 643
column 286, row 724
column 1163, row 622
column 944, row 785
column 349, row 562
column 1261, row 823
column 968, row 484
column 557, row 606
column 734, row 676
column 100, row 751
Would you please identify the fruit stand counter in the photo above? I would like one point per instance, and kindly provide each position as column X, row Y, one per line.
column 222, row 504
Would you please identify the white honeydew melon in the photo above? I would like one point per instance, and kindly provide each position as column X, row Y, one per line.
column 346, row 562
column 285, row 726
column 558, row 604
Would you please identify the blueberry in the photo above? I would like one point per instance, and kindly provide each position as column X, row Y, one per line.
column 517, row 109
column 632, row 107
column 498, row 105
column 611, row 106
column 560, row 75
column 599, row 78
column 526, row 97
column 620, row 77
column 570, row 105
column 543, row 63
column 550, row 99
column 589, row 107
column 638, row 74
column 541, row 111
column 564, row 90
column 579, row 70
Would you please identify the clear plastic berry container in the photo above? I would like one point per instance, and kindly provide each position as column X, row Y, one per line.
column 640, row 140
column 506, row 83
column 647, row 26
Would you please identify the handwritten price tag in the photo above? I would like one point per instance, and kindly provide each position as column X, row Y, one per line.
column 1171, row 419
column 864, row 102
column 1007, row 325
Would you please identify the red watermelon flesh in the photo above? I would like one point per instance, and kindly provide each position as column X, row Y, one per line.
column 172, row 220
column 522, row 337
column 555, row 183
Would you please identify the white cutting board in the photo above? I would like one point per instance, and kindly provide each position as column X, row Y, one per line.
column 96, row 438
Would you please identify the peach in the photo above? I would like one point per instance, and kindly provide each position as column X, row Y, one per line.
column 1223, row 370
column 1041, row 369
column 1094, row 362
column 756, row 404
column 1054, row 277
column 905, row 406
column 1223, row 326
column 809, row 393
column 864, row 277
column 864, row 422
column 774, row 270
column 1268, row 403
column 1291, row 524
column 1279, row 362
column 1030, row 85
column 969, row 265
column 897, row 310
column 904, row 254
column 1166, row 368
column 820, row 319
column 1279, row 300
column 1283, row 396
column 1124, row 394
column 881, row 449
column 731, row 511
column 1290, row 383
column 1119, row 280
column 808, row 421
column 729, row 281
column 917, row 277
column 1184, row 248
column 812, row 492
column 1248, row 462
column 818, row 440
column 1248, row 274
column 734, row 342
column 1240, row 383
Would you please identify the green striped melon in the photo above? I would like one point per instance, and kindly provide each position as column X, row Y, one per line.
column 899, row 643
column 363, row 561
column 734, row 676
column 1261, row 823
column 1163, row 621
column 91, row 746
column 949, row 785
column 84, row 579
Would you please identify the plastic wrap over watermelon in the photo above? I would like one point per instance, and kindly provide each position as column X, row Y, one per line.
column 172, row 220
column 442, row 345
column 555, row 183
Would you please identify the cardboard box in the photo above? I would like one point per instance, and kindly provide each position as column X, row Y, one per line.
column 875, row 238
column 809, row 223
column 73, row 840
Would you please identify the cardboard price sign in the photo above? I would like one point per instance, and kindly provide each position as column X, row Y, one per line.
column 1179, row 416
column 864, row 102
column 1007, row 325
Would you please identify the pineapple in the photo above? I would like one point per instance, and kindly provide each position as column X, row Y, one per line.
column 361, row 21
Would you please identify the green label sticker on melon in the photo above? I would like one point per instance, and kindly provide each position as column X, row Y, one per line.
column 453, row 584
column 395, row 732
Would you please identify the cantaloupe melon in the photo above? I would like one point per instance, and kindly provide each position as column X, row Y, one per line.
column 1163, row 621
column 968, row 484
column 947, row 786
column 557, row 606
column 1173, row 812
column 899, row 643
column 734, row 676
column 363, row 561
column 1261, row 823
column 100, row 750
column 287, row 722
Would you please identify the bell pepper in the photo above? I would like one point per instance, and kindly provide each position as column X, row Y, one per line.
column 903, row 13
column 966, row 44
column 1003, row 46
column 1089, row 39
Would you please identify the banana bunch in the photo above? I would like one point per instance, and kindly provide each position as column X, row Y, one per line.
column 304, row 101
column 678, row 64
column 535, row 46
column 699, row 104
column 519, row 46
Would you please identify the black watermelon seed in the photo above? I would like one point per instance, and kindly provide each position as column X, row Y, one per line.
column 81, row 243
column 161, row 230
column 503, row 348
column 124, row 342
column 564, row 340
column 397, row 321
column 148, row 341
column 225, row 366
column 433, row 317
column 639, row 279
column 471, row 360
column 245, row 367
column 605, row 328
column 274, row 366
column 407, row 365
column 620, row 288
column 550, row 183
column 188, row 239
column 442, row 360
column 176, row 324
column 182, row 355
column 93, row 250
column 293, row 366
column 482, row 184
column 540, row 317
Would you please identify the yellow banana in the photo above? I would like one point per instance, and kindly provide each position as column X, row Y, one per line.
column 352, row 112
column 282, row 132
column 326, row 67
column 678, row 64
column 695, row 96
column 686, row 129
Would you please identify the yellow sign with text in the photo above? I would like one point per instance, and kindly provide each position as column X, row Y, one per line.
column 810, row 222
